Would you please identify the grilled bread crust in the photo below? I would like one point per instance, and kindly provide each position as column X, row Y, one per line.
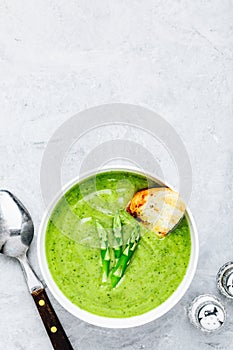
column 159, row 209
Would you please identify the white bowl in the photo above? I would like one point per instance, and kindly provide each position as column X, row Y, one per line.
column 106, row 321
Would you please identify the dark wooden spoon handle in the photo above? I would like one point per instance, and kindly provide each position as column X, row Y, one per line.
column 51, row 322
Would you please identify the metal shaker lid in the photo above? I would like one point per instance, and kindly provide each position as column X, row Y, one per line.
column 207, row 313
column 225, row 279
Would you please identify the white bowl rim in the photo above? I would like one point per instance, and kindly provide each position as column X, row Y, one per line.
column 108, row 322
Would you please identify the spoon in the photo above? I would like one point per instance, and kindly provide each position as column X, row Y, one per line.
column 16, row 234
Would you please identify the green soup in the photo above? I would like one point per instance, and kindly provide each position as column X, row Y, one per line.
column 73, row 254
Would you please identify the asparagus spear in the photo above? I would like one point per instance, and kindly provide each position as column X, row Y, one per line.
column 124, row 260
column 104, row 251
column 118, row 241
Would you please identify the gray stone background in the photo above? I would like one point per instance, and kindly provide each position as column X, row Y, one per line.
column 175, row 57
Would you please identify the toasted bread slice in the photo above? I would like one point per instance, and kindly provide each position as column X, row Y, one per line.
column 159, row 209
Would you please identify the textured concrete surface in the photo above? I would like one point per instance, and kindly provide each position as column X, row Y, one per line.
column 175, row 57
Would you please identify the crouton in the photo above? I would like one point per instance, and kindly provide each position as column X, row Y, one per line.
column 159, row 209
